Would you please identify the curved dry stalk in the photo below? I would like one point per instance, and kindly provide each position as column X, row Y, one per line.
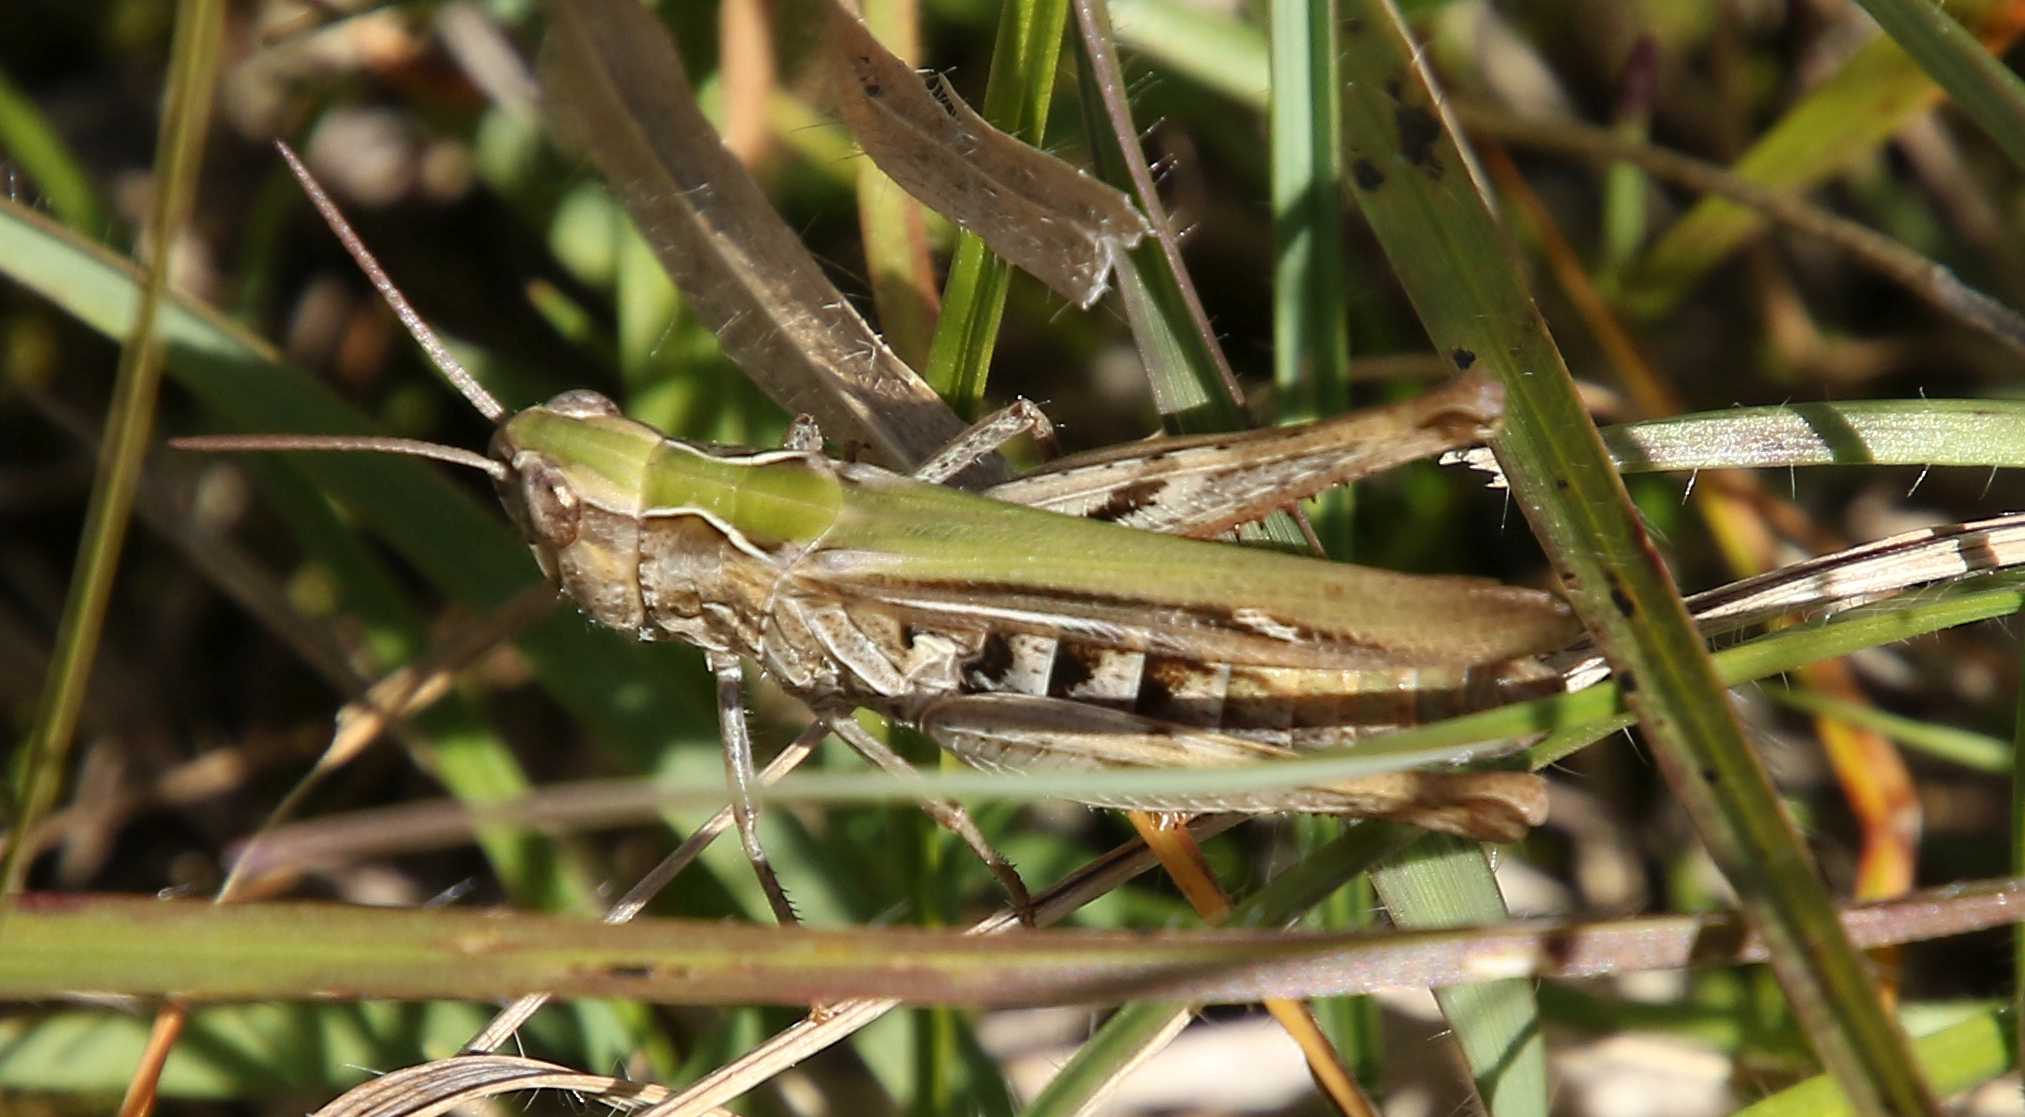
column 444, row 1085
column 1932, row 282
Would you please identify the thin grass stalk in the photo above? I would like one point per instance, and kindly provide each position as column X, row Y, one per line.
column 1311, row 356
column 2018, row 866
column 1978, row 752
column 1016, row 97
column 186, row 120
column 1311, row 332
column 1423, row 202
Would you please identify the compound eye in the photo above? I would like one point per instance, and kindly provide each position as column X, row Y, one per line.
column 549, row 501
column 582, row 403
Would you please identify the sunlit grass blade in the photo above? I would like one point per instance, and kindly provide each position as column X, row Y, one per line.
column 1424, row 205
column 1445, row 882
column 1954, row 1058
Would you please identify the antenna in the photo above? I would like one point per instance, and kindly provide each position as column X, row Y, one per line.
column 414, row 448
column 459, row 378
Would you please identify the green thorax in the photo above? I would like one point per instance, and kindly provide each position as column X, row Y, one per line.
column 630, row 468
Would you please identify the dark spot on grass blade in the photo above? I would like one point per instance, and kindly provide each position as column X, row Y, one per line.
column 1419, row 132
column 1621, row 601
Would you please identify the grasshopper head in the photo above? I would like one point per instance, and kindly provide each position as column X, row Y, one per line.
column 536, row 486
column 572, row 478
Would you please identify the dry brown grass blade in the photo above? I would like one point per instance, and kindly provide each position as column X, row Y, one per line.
column 445, row 1085
column 1040, row 214
column 616, row 89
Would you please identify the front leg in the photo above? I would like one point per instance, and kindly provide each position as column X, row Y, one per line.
column 986, row 435
column 739, row 777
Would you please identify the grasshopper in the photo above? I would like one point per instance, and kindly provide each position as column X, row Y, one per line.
column 1060, row 620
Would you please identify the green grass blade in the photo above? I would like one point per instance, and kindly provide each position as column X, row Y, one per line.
column 1016, row 99
column 1955, row 1058
column 186, row 120
column 1978, row 81
column 1978, row 751
column 1457, row 268
column 1952, row 432
column 28, row 139
column 1843, row 119
column 1311, row 338
column 1447, row 882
